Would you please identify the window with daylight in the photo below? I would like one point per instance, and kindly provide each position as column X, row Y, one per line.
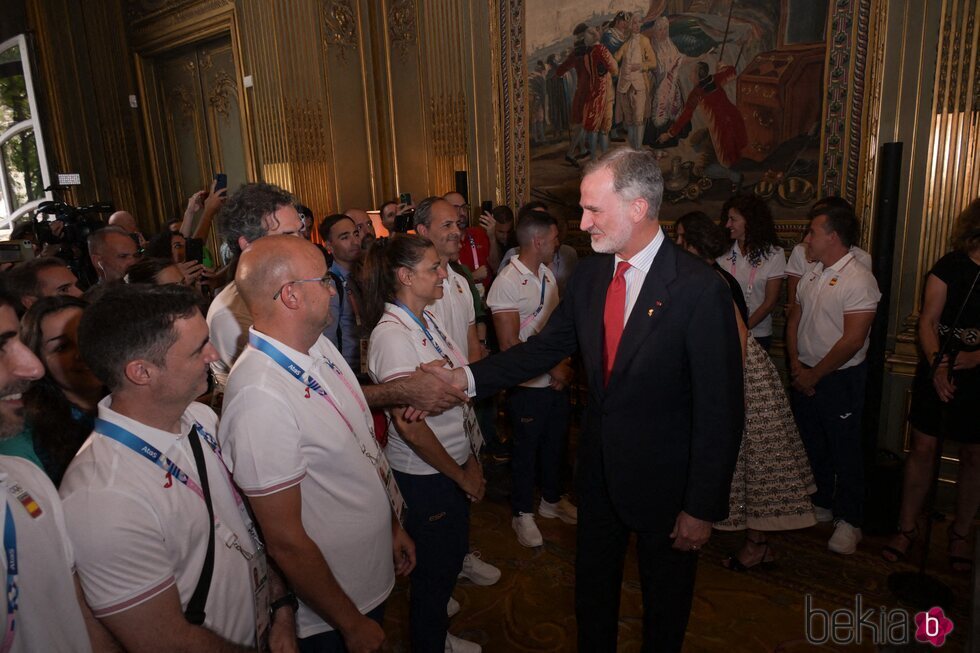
column 23, row 167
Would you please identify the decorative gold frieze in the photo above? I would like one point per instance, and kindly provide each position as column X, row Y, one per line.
column 401, row 25
column 339, row 26
column 223, row 91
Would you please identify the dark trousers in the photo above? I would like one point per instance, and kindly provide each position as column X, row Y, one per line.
column 666, row 575
column 539, row 419
column 830, row 426
column 765, row 342
column 438, row 520
column 332, row 641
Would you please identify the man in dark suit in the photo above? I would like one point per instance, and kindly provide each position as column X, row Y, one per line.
column 656, row 331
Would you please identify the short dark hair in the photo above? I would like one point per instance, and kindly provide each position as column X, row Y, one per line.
column 829, row 200
column 22, row 280
column 842, row 222
column 423, row 210
column 329, row 222
column 536, row 205
column 704, row 235
column 502, row 214
column 532, row 223
column 128, row 322
column 389, row 202
column 242, row 214
column 145, row 271
column 305, row 211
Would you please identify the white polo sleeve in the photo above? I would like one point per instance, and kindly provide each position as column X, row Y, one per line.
column 775, row 265
column 796, row 265
column 862, row 295
column 504, row 294
column 391, row 352
column 261, row 439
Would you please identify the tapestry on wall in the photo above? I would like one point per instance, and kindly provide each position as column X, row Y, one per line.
column 730, row 95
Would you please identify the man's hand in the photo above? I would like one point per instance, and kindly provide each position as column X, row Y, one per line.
column 364, row 636
column 480, row 273
column 561, row 375
column 472, row 481
column 282, row 632
column 663, row 138
column 431, row 389
column 805, row 381
column 486, row 221
column 690, row 533
column 403, row 549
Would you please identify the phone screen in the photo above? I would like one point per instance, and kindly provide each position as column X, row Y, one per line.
column 222, row 181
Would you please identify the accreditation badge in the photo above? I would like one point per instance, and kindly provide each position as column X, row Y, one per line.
column 259, row 575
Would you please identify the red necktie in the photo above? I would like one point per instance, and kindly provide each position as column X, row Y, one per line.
column 613, row 317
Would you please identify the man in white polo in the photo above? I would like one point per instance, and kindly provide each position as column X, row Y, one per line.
column 167, row 554
column 33, row 528
column 522, row 298
column 826, row 343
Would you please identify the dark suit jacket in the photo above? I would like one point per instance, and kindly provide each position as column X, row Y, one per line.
column 664, row 434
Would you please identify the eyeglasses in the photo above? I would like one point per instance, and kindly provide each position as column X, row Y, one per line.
column 326, row 281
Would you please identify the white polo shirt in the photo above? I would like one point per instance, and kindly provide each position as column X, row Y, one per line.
column 826, row 296
column 798, row 265
column 397, row 347
column 48, row 617
column 517, row 289
column 137, row 531
column 753, row 280
column 454, row 310
column 228, row 322
column 276, row 435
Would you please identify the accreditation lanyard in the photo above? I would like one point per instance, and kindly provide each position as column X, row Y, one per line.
column 460, row 361
column 470, row 425
column 476, row 260
column 753, row 268
column 10, row 557
column 530, row 318
column 140, row 446
column 379, row 460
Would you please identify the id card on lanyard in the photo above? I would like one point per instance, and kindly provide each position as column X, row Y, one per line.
column 379, row 460
column 470, row 425
column 530, row 318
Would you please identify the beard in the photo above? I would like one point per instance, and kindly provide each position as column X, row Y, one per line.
column 11, row 417
column 610, row 242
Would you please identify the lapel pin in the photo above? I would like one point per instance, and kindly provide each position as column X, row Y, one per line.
column 649, row 312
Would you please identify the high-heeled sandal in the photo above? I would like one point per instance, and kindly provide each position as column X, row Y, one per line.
column 893, row 555
column 958, row 563
column 734, row 564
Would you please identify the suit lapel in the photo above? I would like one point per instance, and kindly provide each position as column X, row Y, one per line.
column 594, row 331
column 651, row 304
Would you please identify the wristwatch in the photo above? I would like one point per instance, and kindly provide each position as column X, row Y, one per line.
column 284, row 601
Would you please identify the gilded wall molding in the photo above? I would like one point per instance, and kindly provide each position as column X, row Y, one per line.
column 339, row 26
column 402, row 29
column 223, row 90
column 149, row 20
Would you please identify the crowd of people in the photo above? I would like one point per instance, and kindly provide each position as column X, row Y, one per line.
column 357, row 384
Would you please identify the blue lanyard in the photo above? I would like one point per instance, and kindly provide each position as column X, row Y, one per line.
column 428, row 335
column 137, row 444
column 10, row 551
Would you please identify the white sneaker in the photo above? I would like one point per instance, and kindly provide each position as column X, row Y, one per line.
column 823, row 515
column 527, row 531
column 845, row 538
column 563, row 509
column 456, row 645
column 478, row 571
column 452, row 608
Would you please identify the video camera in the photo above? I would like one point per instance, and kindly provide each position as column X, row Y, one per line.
column 78, row 222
